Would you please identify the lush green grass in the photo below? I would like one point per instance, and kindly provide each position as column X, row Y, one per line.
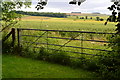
column 18, row 67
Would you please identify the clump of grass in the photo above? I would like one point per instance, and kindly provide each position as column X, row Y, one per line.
column 53, row 56
column 60, row 57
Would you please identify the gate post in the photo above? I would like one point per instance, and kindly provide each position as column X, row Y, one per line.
column 18, row 37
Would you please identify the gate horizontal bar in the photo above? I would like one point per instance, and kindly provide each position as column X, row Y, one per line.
column 68, row 46
column 71, row 52
column 65, row 31
column 69, row 38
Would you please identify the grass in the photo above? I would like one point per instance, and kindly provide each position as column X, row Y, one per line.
column 86, row 44
column 39, row 22
column 18, row 67
column 66, row 24
column 90, row 15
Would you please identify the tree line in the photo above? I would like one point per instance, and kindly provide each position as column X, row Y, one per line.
column 86, row 17
column 47, row 14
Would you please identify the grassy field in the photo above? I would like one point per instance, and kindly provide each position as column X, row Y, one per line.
column 18, row 67
column 38, row 22
column 65, row 24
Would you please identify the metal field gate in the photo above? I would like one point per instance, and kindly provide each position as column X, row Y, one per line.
column 74, row 43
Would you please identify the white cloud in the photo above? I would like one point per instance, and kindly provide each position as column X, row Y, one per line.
column 50, row 10
column 64, row 6
column 59, row 0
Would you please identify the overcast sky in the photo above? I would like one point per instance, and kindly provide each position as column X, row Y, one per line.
column 63, row 6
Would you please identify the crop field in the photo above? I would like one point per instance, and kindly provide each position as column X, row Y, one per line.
column 70, row 24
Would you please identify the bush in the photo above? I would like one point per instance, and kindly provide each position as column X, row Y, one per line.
column 6, row 48
column 109, row 68
column 68, row 34
column 63, row 34
column 53, row 56
column 92, row 64
column 110, row 64
column 43, row 54
column 97, row 18
column 101, row 19
column 60, row 57
column 79, row 63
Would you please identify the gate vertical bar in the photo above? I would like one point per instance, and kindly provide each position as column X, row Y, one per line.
column 81, row 42
column 47, row 39
column 19, row 45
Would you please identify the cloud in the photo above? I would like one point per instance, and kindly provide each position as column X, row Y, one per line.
column 64, row 6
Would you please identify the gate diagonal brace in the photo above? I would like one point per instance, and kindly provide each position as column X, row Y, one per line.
column 72, row 38
column 37, row 39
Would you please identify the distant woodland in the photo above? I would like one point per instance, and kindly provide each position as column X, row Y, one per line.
column 47, row 14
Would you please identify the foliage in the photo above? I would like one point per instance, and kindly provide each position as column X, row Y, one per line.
column 115, row 44
column 41, row 4
column 9, row 17
column 110, row 64
column 43, row 54
column 60, row 57
column 81, row 17
column 48, row 14
column 99, row 19
column 53, row 56
column 6, row 48
column 86, row 17
column 114, row 17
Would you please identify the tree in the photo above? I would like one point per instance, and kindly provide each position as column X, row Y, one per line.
column 86, row 17
column 101, row 19
column 111, row 63
column 77, row 17
column 9, row 17
column 97, row 18
column 114, row 17
column 90, row 17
